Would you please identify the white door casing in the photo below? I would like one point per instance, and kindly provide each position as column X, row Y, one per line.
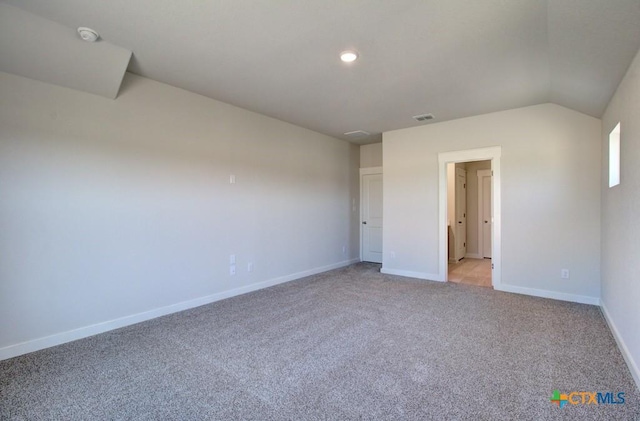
column 371, row 216
column 494, row 154
column 485, row 218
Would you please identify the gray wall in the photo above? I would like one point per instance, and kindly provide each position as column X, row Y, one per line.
column 114, row 208
column 550, row 204
column 621, row 222
column 371, row 155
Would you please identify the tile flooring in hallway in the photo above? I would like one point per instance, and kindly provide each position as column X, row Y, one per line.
column 471, row 272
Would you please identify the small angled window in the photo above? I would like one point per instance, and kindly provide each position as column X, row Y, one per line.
column 614, row 156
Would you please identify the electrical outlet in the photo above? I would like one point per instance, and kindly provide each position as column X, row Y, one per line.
column 232, row 259
column 392, row 254
column 344, row 250
column 564, row 273
column 232, row 270
column 250, row 267
column 232, row 179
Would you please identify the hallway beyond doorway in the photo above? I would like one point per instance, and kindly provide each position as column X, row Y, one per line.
column 471, row 272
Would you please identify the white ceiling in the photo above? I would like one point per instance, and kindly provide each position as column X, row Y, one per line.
column 452, row 58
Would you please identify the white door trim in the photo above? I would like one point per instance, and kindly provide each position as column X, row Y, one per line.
column 481, row 174
column 491, row 153
column 365, row 171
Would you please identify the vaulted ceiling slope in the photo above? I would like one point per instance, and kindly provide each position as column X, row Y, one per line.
column 38, row 48
column 452, row 58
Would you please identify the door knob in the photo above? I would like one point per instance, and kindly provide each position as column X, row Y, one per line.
column 459, row 222
column 486, row 222
column 364, row 222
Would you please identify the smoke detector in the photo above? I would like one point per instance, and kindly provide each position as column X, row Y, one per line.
column 423, row 117
column 357, row 134
column 88, row 34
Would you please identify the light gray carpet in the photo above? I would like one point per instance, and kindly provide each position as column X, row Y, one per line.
column 347, row 344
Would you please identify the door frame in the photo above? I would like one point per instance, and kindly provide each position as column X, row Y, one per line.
column 493, row 154
column 363, row 172
column 481, row 174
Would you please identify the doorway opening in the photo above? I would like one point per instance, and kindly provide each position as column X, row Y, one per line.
column 469, row 222
column 469, row 204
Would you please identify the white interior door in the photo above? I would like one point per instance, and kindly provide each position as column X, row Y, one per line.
column 461, row 213
column 372, row 218
column 485, row 208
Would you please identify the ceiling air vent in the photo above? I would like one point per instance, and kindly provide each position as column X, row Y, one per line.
column 357, row 134
column 423, row 117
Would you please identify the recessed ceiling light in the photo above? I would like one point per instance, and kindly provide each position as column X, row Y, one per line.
column 348, row 56
column 88, row 34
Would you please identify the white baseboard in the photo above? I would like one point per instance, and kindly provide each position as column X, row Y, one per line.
column 86, row 331
column 411, row 274
column 626, row 354
column 473, row 256
column 563, row 296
